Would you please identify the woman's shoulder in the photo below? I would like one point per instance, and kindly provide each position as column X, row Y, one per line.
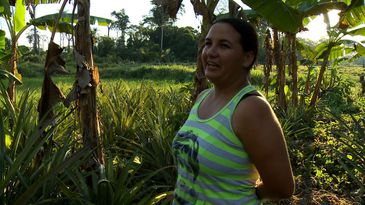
column 202, row 94
column 253, row 108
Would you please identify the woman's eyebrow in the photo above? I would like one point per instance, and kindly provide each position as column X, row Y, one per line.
column 225, row 41
column 220, row 41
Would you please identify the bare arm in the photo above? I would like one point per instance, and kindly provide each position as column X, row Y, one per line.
column 255, row 123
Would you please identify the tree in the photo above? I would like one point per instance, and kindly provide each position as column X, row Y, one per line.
column 333, row 50
column 33, row 39
column 291, row 17
column 121, row 23
column 16, row 26
column 32, row 11
column 87, row 81
column 206, row 10
column 268, row 61
column 105, row 46
column 182, row 42
column 160, row 18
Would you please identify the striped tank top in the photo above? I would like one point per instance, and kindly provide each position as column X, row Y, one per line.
column 213, row 167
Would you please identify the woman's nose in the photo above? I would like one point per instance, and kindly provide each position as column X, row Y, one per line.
column 211, row 50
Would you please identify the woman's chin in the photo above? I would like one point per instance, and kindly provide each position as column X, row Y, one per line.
column 211, row 73
column 211, row 76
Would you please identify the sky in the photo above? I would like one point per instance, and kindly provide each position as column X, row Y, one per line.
column 137, row 9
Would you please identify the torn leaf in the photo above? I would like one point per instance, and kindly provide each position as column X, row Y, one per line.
column 83, row 78
column 51, row 95
column 56, row 68
column 80, row 59
column 54, row 62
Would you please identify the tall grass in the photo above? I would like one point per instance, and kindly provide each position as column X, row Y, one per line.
column 139, row 125
column 139, row 118
column 31, row 167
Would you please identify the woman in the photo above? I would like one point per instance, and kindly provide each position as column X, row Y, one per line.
column 231, row 149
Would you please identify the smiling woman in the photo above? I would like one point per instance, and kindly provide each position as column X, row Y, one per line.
column 231, row 149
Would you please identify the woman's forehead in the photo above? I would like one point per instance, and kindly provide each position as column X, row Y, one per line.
column 224, row 31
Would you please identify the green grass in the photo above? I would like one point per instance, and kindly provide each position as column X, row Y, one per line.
column 160, row 77
column 142, row 106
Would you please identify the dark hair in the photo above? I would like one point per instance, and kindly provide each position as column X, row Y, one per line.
column 247, row 32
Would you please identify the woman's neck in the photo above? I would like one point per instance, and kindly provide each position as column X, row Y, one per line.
column 228, row 90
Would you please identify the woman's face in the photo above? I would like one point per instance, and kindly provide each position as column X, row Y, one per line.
column 223, row 56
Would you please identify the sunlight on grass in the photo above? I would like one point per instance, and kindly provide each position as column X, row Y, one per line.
column 8, row 141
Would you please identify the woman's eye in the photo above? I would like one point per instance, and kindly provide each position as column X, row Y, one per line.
column 225, row 45
column 207, row 43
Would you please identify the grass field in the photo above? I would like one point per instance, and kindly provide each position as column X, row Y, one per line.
column 142, row 106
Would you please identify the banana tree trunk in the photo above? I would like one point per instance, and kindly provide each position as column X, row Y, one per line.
column 280, row 70
column 161, row 40
column 293, row 67
column 35, row 33
column 200, row 81
column 268, row 61
column 206, row 10
column 320, row 78
column 307, row 85
column 13, row 69
column 87, row 77
column 362, row 82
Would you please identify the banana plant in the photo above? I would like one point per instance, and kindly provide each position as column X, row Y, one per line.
column 206, row 10
column 292, row 16
column 51, row 94
column 87, row 82
column 87, row 75
column 343, row 49
column 336, row 48
column 16, row 24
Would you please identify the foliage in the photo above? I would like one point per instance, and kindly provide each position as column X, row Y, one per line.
column 140, row 119
column 105, row 46
column 143, row 123
column 24, row 178
column 143, row 45
column 351, row 151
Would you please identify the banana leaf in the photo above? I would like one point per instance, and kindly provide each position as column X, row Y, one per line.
column 291, row 16
column 2, row 40
column 358, row 31
column 5, row 8
column 354, row 15
column 285, row 18
column 44, row 1
column 64, row 24
column 6, row 74
column 19, row 16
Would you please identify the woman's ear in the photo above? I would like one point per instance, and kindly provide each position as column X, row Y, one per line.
column 248, row 58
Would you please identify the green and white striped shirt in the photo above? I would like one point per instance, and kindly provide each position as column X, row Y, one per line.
column 213, row 167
